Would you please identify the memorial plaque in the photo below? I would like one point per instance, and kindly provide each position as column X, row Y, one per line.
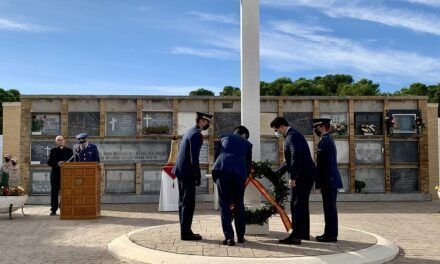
column 404, row 151
column 224, row 123
column 342, row 151
column 79, row 122
column 120, row 124
column 368, row 118
column 203, row 188
column 345, row 176
column 373, row 178
column 302, row 122
column 157, row 122
column 269, row 151
column 369, row 152
column 151, row 181
column 120, row 181
column 404, row 180
column 146, row 152
column 40, row 182
column 45, row 124
column 405, row 123
column 40, row 151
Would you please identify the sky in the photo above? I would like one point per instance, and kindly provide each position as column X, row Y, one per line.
column 170, row 47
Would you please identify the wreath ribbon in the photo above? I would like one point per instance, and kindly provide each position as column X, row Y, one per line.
column 286, row 221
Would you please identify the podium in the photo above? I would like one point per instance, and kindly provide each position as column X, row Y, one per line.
column 80, row 190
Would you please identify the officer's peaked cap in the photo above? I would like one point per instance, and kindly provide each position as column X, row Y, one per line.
column 321, row 121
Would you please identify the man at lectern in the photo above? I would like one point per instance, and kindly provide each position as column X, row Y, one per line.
column 86, row 151
column 57, row 156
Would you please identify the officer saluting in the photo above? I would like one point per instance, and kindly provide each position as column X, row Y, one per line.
column 86, row 151
column 187, row 171
column 328, row 179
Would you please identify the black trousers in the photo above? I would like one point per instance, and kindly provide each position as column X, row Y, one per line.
column 330, row 211
column 299, row 206
column 54, row 192
column 187, row 201
column 230, row 188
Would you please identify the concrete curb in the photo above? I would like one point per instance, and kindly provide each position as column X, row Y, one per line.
column 125, row 250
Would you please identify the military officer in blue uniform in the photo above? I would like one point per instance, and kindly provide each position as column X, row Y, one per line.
column 231, row 168
column 86, row 151
column 328, row 179
column 302, row 172
column 187, row 171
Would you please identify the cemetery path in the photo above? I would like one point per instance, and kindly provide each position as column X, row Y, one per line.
column 40, row 238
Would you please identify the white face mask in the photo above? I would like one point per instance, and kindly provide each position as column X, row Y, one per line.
column 277, row 134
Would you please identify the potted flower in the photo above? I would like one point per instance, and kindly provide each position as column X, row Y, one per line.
column 339, row 128
column 419, row 124
column 368, row 129
column 359, row 185
column 390, row 124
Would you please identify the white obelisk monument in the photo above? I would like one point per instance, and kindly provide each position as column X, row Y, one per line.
column 250, row 90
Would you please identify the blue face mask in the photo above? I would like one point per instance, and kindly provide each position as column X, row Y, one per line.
column 277, row 134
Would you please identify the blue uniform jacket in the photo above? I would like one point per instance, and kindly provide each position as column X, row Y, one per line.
column 328, row 173
column 298, row 160
column 90, row 153
column 187, row 163
column 235, row 156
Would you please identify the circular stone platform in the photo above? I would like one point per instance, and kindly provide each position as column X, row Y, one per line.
column 162, row 244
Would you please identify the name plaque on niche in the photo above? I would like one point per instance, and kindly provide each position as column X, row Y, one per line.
column 119, row 181
column 369, row 152
column 79, row 122
column 132, row 151
column 40, row 181
column 301, row 122
column 404, row 180
column 121, row 124
column 40, row 151
column 45, row 124
column 224, row 123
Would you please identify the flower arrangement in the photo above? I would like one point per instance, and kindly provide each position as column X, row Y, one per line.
column 419, row 124
column 17, row 191
column 339, row 128
column 368, row 128
column 390, row 124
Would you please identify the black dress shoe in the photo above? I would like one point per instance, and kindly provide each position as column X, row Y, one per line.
column 326, row 239
column 305, row 237
column 241, row 240
column 191, row 237
column 229, row 242
column 53, row 214
column 290, row 241
column 319, row 237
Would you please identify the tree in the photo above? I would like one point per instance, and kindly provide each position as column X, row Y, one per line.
column 11, row 95
column 275, row 88
column 201, row 92
column 362, row 87
column 331, row 83
column 420, row 89
column 230, row 91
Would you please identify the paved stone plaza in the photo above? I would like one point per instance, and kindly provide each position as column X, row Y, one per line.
column 39, row 238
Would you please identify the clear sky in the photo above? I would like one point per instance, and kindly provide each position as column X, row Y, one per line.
column 170, row 47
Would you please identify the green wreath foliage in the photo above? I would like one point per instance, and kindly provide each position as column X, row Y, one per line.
column 279, row 190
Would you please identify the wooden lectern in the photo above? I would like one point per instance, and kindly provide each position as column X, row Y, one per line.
column 80, row 190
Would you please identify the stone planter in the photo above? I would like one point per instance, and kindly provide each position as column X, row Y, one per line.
column 9, row 204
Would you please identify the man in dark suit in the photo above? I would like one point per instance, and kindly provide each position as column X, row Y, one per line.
column 231, row 168
column 328, row 179
column 86, row 151
column 301, row 169
column 57, row 156
column 187, row 171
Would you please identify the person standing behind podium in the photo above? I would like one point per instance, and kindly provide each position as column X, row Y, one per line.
column 86, row 151
column 187, row 171
column 57, row 156
column 230, row 172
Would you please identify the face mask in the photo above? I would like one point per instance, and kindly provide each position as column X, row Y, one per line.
column 277, row 134
column 205, row 127
column 317, row 132
column 7, row 160
column 14, row 163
